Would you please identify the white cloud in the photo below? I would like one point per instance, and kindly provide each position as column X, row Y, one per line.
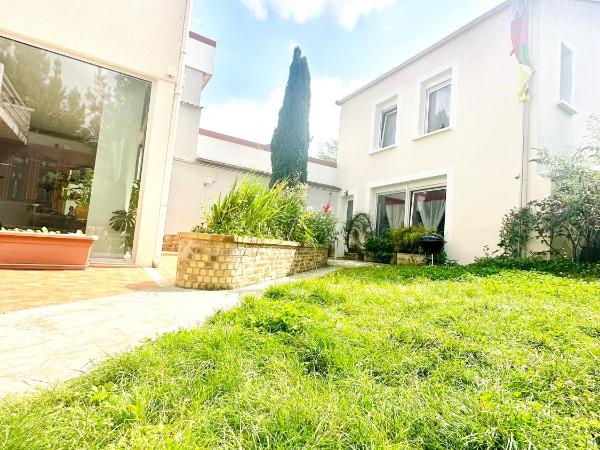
column 346, row 12
column 256, row 120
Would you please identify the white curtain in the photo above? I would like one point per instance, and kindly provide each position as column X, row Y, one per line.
column 395, row 215
column 432, row 212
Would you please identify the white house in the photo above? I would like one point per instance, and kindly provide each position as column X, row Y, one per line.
column 90, row 97
column 442, row 139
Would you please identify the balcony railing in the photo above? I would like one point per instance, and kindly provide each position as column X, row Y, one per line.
column 12, row 103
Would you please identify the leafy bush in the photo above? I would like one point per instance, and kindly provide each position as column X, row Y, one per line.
column 382, row 248
column 323, row 225
column 517, row 226
column 357, row 231
column 567, row 222
column 408, row 239
column 279, row 212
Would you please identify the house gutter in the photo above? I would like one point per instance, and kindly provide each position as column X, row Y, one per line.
column 162, row 218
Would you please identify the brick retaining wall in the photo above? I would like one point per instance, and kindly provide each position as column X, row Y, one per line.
column 214, row 261
column 170, row 243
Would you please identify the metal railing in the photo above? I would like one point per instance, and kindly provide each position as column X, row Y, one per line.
column 13, row 104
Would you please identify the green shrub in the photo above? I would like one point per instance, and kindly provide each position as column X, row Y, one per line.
column 382, row 248
column 408, row 239
column 279, row 212
column 323, row 225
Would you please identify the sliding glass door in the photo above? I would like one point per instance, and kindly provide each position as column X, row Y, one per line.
column 390, row 211
column 429, row 209
column 71, row 144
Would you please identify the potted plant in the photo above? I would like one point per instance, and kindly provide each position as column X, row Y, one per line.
column 407, row 244
column 358, row 229
column 44, row 249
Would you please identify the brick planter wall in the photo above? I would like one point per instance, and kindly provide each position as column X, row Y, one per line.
column 170, row 243
column 215, row 261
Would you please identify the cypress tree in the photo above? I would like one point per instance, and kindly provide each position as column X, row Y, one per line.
column 289, row 145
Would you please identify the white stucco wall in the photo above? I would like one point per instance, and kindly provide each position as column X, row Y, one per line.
column 477, row 159
column 137, row 37
column 256, row 159
column 577, row 24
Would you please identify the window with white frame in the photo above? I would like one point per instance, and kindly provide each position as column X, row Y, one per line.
column 387, row 131
column 391, row 210
column 437, row 106
column 428, row 208
column 566, row 74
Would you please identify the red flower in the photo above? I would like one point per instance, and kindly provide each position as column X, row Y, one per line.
column 326, row 208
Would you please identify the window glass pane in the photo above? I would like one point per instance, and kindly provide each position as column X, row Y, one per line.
column 429, row 209
column 566, row 74
column 388, row 128
column 71, row 145
column 349, row 210
column 438, row 108
column 390, row 211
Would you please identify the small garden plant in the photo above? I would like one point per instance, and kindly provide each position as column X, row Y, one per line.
column 279, row 212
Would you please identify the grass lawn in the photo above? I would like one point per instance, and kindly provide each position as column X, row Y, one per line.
column 382, row 357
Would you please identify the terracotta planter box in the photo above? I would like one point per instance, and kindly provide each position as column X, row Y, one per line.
column 408, row 258
column 40, row 251
column 217, row 262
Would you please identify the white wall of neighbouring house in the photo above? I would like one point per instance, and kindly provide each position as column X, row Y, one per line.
column 136, row 37
column 575, row 24
column 198, row 181
column 477, row 158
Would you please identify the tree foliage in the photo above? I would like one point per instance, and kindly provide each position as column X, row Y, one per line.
column 289, row 145
column 568, row 220
column 327, row 151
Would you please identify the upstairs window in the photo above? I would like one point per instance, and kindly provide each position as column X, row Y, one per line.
column 387, row 132
column 566, row 74
column 437, row 107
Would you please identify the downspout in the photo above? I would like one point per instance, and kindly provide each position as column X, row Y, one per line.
column 524, row 178
column 162, row 218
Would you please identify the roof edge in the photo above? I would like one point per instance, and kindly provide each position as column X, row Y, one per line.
column 256, row 145
column 428, row 50
column 203, row 39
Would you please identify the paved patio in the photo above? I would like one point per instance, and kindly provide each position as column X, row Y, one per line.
column 22, row 289
column 43, row 345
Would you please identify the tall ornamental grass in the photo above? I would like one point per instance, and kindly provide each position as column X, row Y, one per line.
column 277, row 212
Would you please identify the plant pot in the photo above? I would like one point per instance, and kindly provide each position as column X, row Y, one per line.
column 81, row 212
column 408, row 258
column 41, row 251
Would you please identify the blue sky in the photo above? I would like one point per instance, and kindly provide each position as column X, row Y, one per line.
column 347, row 43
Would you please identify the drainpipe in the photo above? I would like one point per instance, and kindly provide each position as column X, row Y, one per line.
column 524, row 178
column 172, row 137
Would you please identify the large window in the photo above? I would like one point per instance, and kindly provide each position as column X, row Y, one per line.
column 71, row 144
column 429, row 208
column 391, row 210
column 437, row 107
column 387, row 133
column 566, row 74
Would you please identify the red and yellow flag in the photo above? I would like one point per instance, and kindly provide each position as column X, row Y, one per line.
column 519, row 28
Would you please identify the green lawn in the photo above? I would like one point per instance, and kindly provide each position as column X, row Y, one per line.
column 382, row 357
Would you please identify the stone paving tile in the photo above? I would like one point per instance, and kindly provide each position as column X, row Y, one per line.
column 22, row 289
